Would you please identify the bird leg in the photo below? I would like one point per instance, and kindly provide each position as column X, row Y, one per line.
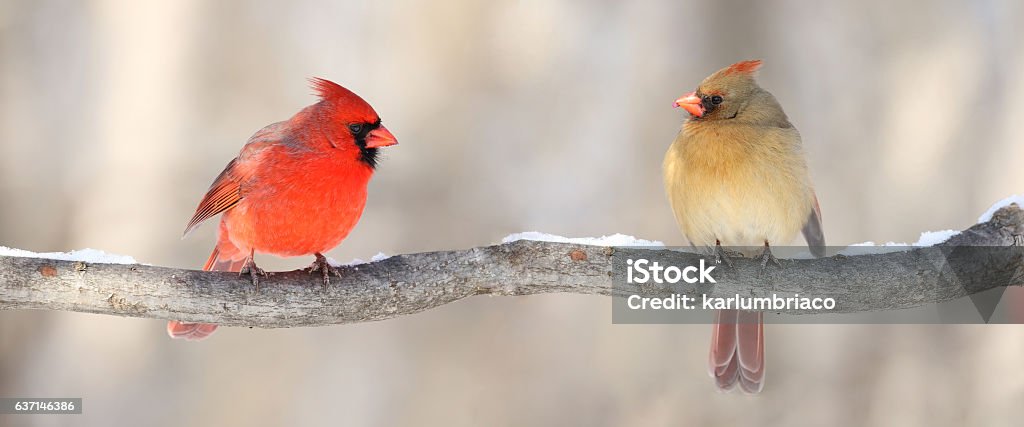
column 253, row 270
column 720, row 255
column 767, row 257
column 325, row 268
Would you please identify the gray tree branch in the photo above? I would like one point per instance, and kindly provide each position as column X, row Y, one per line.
column 407, row 284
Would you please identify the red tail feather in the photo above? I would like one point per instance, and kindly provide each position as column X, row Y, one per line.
column 737, row 350
column 198, row 331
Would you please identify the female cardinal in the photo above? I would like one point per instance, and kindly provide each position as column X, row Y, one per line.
column 736, row 176
column 297, row 188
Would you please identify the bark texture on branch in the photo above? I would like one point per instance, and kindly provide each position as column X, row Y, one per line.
column 407, row 284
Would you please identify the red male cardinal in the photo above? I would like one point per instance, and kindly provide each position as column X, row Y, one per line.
column 297, row 188
column 736, row 176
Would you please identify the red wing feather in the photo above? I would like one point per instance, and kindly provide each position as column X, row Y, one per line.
column 223, row 195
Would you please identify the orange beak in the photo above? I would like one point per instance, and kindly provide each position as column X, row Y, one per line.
column 691, row 103
column 380, row 137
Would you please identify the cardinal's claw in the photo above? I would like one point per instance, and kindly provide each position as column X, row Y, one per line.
column 325, row 268
column 254, row 272
column 721, row 257
column 767, row 257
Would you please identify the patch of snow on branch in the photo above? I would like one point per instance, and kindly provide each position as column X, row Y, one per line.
column 613, row 240
column 357, row 261
column 932, row 238
column 928, row 238
column 94, row 256
column 1019, row 200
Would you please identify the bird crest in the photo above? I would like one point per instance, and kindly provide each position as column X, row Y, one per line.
column 327, row 89
column 744, row 67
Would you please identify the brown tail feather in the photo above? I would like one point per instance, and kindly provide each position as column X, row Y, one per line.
column 737, row 350
column 198, row 331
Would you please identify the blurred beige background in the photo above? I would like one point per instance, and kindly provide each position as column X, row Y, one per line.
column 115, row 116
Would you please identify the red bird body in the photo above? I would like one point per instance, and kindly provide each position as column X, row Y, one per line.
column 297, row 188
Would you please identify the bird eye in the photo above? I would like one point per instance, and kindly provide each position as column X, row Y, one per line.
column 355, row 128
column 716, row 99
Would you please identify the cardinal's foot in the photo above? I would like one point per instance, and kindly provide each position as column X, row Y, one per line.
column 721, row 255
column 325, row 268
column 254, row 272
column 768, row 257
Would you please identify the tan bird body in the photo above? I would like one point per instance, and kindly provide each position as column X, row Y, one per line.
column 736, row 176
column 738, row 183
